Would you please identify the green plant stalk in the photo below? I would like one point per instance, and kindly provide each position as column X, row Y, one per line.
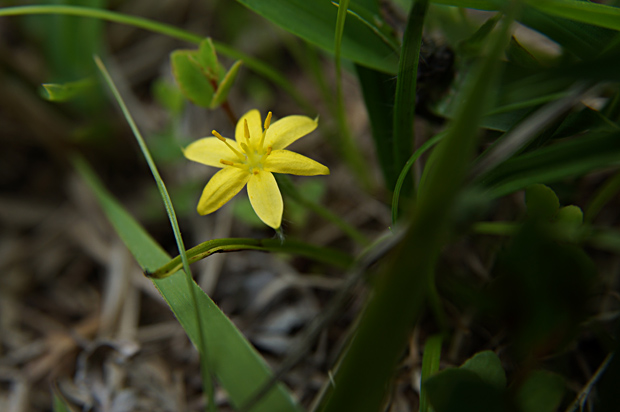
column 210, row 247
column 204, row 365
column 285, row 184
column 405, row 172
column 165, row 29
column 406, row 81
column 346, row 146
column 398, row 296
column 430, row 365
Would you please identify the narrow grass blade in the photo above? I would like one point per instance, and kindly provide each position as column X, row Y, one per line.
column 583, row 11
column 405, row 172
column 346, row 146
column 378, row 91
column 202, row 346
column 607, row 192
column 404, row 100
column 430, row 365
column 573, row 157
column 238, row 367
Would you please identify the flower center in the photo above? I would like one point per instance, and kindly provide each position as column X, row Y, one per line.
column 253, row 153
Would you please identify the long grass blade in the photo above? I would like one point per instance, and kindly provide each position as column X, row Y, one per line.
column 404, row 100
column 202, row 346
column 430, row 365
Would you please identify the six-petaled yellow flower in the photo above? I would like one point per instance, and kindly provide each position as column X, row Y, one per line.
column 252, row 158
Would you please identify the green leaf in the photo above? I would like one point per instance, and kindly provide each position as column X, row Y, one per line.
column 190, row 78
column 60, row 405
column 541, row 202
column 237, row 365
column 378, row 91
column 207, row 60
column 570, row 215
column 62, row 92
column 430, row 365
column 406, row 83
column 462, row 390
column 221, row 95
column 488, row 367
column 541, row 392
column 314, row 21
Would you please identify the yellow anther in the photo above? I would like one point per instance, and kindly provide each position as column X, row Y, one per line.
column 267, row 121
column 235, row 151
column 255, row 172
column 246, row 129
column 268, row 151
column 219, row 136
column 226, row 162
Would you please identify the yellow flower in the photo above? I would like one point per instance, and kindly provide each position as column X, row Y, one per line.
column 252, row 158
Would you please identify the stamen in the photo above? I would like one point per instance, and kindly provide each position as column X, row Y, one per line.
column 267, row 124
column 246, row 130
column 223, row 139
column 268, row 151
column 226, row 162
column 267, row 121
column 255, row 172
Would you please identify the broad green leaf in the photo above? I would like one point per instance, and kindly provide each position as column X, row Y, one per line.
column 488, row 367
column 221, row 95
column 314, row 21
column 541, row 392
column 236, row 364
column 541, row 202
column 190, row 78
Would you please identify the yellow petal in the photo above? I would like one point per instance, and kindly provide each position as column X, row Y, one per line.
column 285, row 161
column 209, row 151
column 288, row 129
column 254, row 125
column 221, row 188
column 266, row 199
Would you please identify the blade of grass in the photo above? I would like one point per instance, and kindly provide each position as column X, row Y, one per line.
column 573, row 157
column 406, row 81
column 210, row 247
column 583, row 11
column 405, row 172
column 346, row 146
column 400, row 290
column 607, row 192
column 202, row 347
column 238, row 367
column 430, row 365
column 253, row 64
